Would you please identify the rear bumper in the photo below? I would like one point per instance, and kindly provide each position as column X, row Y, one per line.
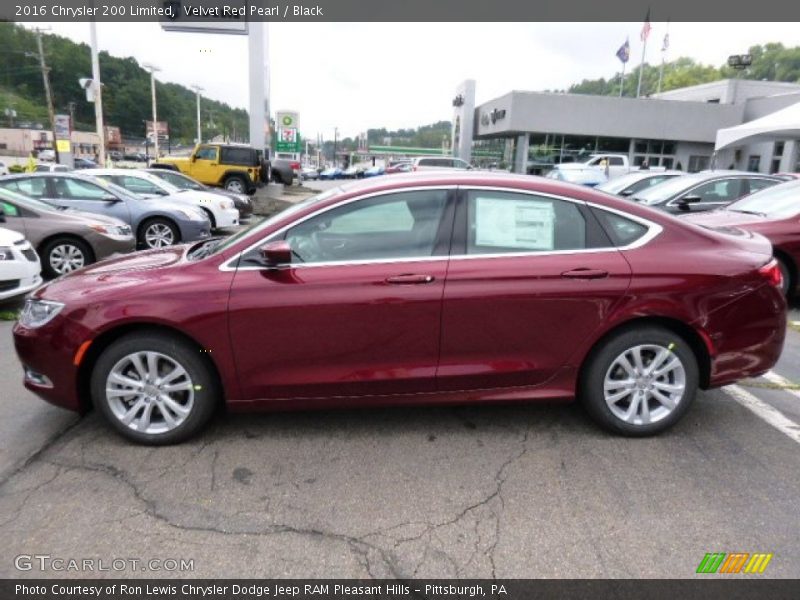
column 747, row 336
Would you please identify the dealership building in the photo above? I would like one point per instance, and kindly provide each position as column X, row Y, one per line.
column 675, row 129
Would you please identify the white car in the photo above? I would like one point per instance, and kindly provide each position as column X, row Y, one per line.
column 20, row 269
column 3, row 168
column 440, row 163
column 220, row 210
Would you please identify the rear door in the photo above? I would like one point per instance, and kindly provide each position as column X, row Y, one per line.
column 530, row 278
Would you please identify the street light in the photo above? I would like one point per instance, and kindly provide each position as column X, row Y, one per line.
column 152, row 68
column 197, row 90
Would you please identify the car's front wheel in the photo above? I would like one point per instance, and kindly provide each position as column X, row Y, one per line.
column 640, row 382
column 64, row 255
column 158, row 233
column 153, row 388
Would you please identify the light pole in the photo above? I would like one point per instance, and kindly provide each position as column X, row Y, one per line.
column 153, row 69
column 98, row 96
column 197, row 90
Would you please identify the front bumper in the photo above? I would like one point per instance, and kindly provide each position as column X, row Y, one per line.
column 23, row 286
column 105, row 246
column 192, row 231
column 21, row 274
column 228, row 217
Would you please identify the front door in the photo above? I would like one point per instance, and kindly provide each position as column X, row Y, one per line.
column 530, row 278
column 358, row 310
column 205, row 164
column 88, row 196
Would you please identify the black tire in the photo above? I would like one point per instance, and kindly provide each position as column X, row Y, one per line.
column 206, row 390
column 52, row 248
column 591, row 386
column 236, row 184
column 211, row 218
column 276, row 176
column 158, row 221
column 787, row 284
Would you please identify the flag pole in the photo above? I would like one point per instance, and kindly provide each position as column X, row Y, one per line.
column 641, row 68
column 622, row 79
column 664, row 48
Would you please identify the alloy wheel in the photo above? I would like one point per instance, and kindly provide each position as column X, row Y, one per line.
column 644, row 384
column 159, row 235
column 150, row 392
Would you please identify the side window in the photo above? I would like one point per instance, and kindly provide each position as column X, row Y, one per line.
column 616, row 161
column 723, row 191
column 402, row 225
column 206, row 153
column 621, row 230
column 760, row 184
column 9, row 210
column 34, row 187
column 137, row 185
column 505, row 222
column 75, row 189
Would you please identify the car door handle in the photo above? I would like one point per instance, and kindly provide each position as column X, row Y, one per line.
column 410, row 279
column 585, row 274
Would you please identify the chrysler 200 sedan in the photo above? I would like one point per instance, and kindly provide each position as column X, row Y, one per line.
column 423, row 288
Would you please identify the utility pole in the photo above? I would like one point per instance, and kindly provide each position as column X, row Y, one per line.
column 335, row 136
column 153, row 69
column 197, row 90
column 98, row 96
column 48, row 93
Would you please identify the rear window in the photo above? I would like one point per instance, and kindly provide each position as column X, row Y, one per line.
column 621, row 230
column 238, row 156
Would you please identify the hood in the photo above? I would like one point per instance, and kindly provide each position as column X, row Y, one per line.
column 172, row 203
column 174, row 160
column 8, row 237
column 196, row 197
column 133, row 270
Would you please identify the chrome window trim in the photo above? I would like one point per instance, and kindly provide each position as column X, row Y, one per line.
column 653, row 230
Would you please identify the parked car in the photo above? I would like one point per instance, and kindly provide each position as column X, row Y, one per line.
column 432, row 288
column 115, row 155
column 155, row 223
column 3, row 168
column 439, row 163
column 632, row 183
column 135, row 157
column 283, row 170
column 84, row 163
column 332, row 173
column 219, row 210
column 20, row 270
column 46, row 154
column 374, row 171
column 51, row 168
column 353, row 172
column 309, row 173
column 241, row 202
column 403, row 167
column 235, row 167
column 610, row 165
column 702, row 191
column 64, row 239
column 774, row 213
column 587, row 177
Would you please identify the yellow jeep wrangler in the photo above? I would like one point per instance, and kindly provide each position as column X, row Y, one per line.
column 237, row 168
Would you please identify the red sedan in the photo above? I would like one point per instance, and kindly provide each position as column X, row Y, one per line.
column 426, row 288
column 773, row 213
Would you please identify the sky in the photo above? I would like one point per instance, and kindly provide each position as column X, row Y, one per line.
column 355, row 76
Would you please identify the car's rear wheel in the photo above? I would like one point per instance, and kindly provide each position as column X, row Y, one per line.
column 158, row 233
column 640, row 382
column 787, row 284
column 236, row 184
column 153, row 388
column 64, row 255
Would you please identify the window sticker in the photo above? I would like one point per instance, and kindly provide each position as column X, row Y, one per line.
column 523, row 224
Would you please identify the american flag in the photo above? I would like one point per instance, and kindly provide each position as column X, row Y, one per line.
column 646, row 27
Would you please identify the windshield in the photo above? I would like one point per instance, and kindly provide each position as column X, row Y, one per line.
column 181, row 181
column 221, row 245
column 666, row 190
column 779, row 202
column 112, row 187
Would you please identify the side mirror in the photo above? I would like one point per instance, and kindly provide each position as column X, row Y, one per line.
column 276, row 253
column 685, row 202
column 626, row 193
column 110, row 198
column 194, row 157
column 2, row 216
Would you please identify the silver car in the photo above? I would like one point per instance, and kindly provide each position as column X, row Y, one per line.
column 155, row 223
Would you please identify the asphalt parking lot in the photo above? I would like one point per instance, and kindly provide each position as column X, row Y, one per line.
column 481, row 491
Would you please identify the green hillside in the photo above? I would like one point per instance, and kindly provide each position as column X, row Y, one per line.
column 126, row 89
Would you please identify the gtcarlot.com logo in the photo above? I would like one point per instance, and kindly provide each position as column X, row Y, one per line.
column 46, row 562
column 734, row 562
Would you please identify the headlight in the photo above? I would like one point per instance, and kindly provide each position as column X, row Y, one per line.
column 193, row 215
column 6, row 253
column 120, row 230
column 244, row 199
column 225, row 204
column 39, row 312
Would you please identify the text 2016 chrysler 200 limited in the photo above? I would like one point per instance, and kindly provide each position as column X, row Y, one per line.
column 425, row 288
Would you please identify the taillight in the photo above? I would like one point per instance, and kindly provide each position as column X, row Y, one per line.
column 772, row 273
column 295, row 166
